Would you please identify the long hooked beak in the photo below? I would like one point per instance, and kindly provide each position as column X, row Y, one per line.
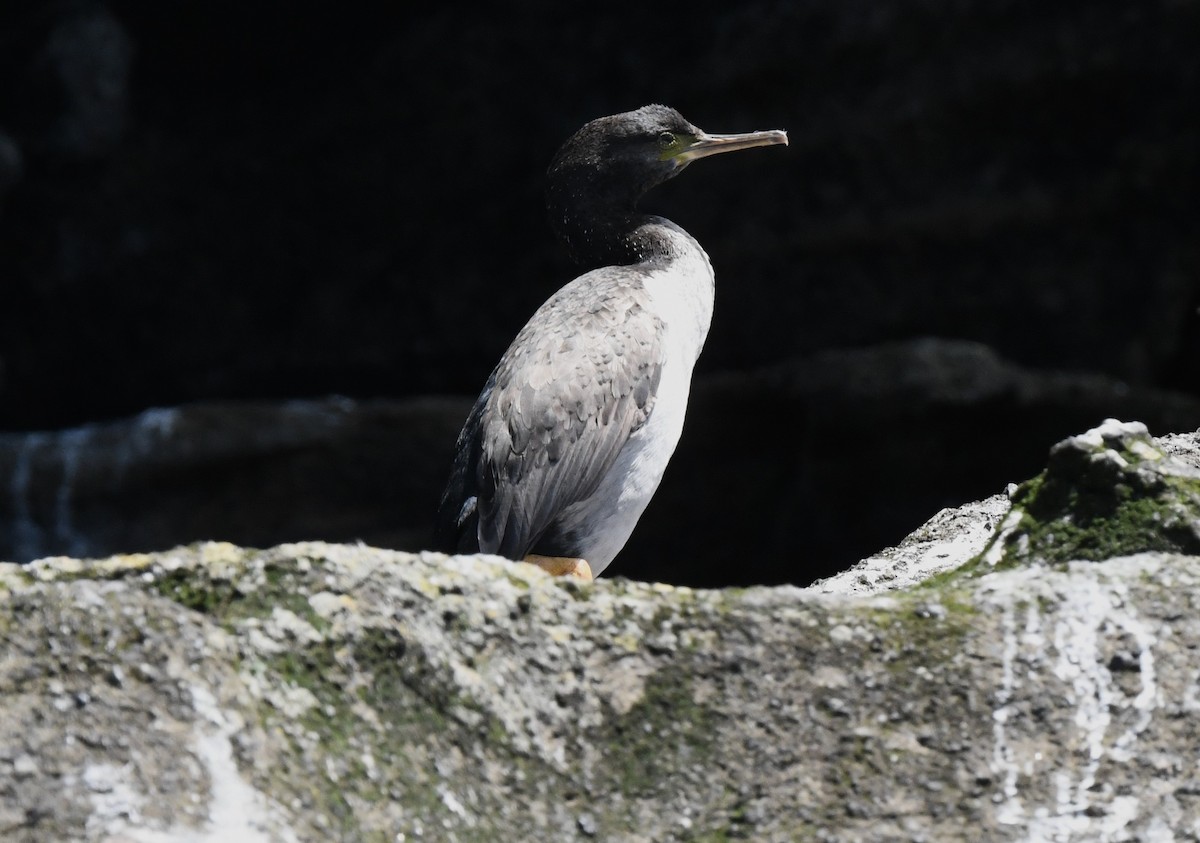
column 706, row 144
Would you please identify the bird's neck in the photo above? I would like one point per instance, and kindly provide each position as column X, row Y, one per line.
column 624, row 238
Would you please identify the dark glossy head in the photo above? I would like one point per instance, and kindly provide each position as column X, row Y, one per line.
column 599, row 174
column 612, row 161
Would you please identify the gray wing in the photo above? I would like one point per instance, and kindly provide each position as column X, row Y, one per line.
column 576, row 382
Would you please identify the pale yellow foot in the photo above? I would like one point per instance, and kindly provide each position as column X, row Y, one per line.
column 562, row 566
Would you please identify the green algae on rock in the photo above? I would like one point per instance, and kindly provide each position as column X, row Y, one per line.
column 1112, row 491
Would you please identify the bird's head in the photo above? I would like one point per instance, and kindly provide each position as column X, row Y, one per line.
column 612, row 161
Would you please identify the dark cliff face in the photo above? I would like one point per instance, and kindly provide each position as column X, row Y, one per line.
column 214, row 200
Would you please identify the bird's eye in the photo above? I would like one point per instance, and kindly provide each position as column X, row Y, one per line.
column 666, row 140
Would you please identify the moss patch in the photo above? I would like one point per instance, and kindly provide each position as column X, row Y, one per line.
column 229, row 597
column 926, row 629
column 192, row 589
column 666, row 730
column 13, row 577
column 1110, row 492
column 1063, row 521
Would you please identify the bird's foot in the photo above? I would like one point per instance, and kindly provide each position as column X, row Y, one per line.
column 562, row 566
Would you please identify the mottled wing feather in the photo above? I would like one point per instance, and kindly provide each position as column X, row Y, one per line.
column 456, row 527
column 576, row 382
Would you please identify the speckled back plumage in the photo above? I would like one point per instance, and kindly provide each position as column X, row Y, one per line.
column 578, row 379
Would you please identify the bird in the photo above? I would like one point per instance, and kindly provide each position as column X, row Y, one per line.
column 570, row 436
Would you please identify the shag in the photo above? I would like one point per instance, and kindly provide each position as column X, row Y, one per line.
column 570, row 436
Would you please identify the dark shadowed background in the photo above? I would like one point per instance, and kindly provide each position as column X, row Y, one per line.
column 983, row 237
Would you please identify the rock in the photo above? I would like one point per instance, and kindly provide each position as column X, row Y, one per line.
column 940, row 544
column 1109, row 492
column 253, row 472
column 339, row 692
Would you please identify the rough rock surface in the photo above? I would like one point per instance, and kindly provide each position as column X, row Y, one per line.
column 338, row 692
column 940, row 544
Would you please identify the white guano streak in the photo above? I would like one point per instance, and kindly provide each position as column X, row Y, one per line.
column 1090, row 612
